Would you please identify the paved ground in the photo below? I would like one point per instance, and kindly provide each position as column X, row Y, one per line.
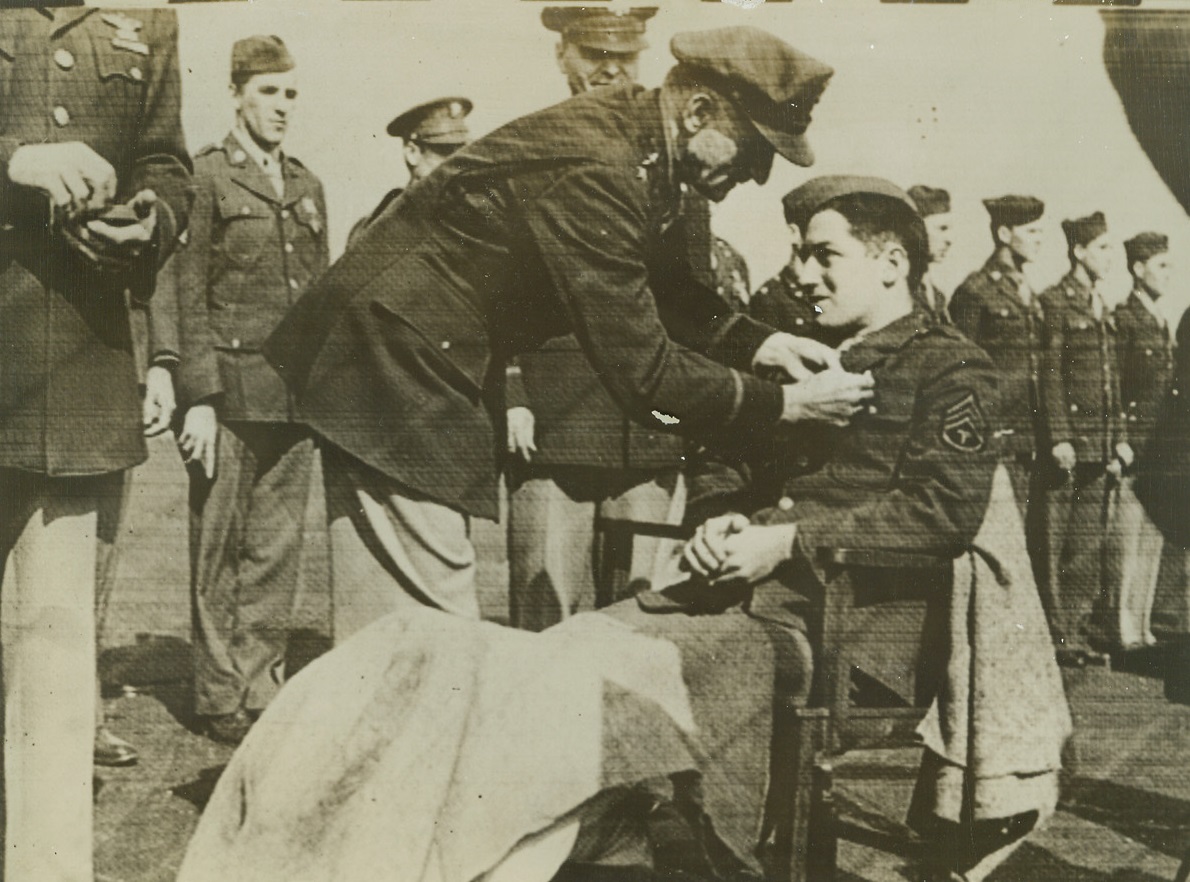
column 1125, row 815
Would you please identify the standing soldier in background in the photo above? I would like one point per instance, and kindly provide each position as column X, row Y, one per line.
column 258, row 238
column 93, row 180
column 1084, row 434
column 1145, row 350
column 429, row 133
column 994, row 307
column 574, row 456
column 933, row 204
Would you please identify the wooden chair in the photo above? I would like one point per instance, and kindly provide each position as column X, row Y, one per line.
column 800, row 843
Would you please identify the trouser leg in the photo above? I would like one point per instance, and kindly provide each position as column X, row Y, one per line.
column 47, row 622
column 270, row 559
column 1082, row 565
column 550, row 548
column 113, row 508
column 1138, row 545
column 390, row 548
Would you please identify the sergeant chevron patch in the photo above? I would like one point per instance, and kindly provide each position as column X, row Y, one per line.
column 963, row 425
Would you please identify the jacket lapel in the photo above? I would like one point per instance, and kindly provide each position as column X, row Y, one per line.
column 246, row 173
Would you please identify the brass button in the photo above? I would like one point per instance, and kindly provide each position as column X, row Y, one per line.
column 871, row 408
column 785, row 503
column 444, row 345
column 245, row 209
column 136, row 73
column 1082, row 326
column 1004, row 313
column 284, row 214
column 235, row 343
column 1148, row 352
column 1074, row 408
column 61, row 116
column 800, row 322
column 293, row 283
column 239, row 156
column 63, row 58
column 289, row 248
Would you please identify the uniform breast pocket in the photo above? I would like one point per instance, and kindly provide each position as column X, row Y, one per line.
column 1004, row 328
column 244, row 227
column 123, row 75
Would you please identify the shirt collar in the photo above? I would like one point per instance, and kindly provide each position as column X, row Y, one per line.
column 1147, row 302
column 260, row 156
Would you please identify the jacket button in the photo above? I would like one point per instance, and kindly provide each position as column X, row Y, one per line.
column 444, row 345
column 800, row 322
column 1148, row 352
column 284, row 214
column 63, row 58
column 1004, row 313
column 1074, row 408
column 136, row 73
column 289, row 248
column 235, row 343
column 1082, row 326
column 61, row 116
column 245, row 210
column 785, row 503
column 871, row 408
column 1173, row 392
column 293, row 283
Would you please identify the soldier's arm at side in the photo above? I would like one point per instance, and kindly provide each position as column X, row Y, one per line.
column 1055, row 422
column 965, row 310
column 600, row 274
column 198, row 370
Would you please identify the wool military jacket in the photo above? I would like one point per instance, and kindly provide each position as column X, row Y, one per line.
column 912, row 473
column 576, row 420
column 1145, row 357
column 248, row 257
column 1080, row 382
column 544, row 227
column 68, row 383
column 989, row 309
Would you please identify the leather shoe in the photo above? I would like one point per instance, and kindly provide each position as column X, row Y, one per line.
column 228, row 728
column 111, row 750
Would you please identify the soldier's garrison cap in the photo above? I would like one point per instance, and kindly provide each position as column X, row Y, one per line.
column 600, row 27
column 773, row 84
column 802, row 203
column 1143, row 246
column 441, row 121
column 1014, row 211
column 929, row 200
column 1084, row 230
column 261, row 54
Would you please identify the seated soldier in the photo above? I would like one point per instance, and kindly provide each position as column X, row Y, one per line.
column 624, row 736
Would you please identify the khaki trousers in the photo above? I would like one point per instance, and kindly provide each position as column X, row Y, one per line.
column 47, row 627
column 391, row 548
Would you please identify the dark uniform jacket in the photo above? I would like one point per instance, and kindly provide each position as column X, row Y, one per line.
column 248, row 257
column 547, row 225
column 988, row 308
column 1163, row 479
column 576, row 421
column 1080, row 385
column 780, row 302
column 68, row 382
column 912, row 473
column 362, row 224
column 1145, row 358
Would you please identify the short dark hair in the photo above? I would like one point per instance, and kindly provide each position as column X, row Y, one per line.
column 876, row 219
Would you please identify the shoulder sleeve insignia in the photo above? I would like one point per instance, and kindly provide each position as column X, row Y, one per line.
column 963, row 425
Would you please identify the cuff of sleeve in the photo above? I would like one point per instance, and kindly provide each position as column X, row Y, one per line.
column 737, row 343
column 759, row 403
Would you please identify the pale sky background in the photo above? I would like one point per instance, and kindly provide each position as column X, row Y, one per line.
column 987, row 98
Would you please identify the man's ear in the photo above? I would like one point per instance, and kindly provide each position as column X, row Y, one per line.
column 895, row 263
column 412, row 154
column 1003, row 234
column 699, row 109
column 559, row 51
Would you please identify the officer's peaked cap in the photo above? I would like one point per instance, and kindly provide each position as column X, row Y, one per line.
column 775, row 85
column 441, row 121
column 607, row 28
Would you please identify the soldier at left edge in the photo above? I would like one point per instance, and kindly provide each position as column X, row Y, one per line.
column 93, row 192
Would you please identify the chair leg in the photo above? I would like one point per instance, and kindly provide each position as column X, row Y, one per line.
column 795, row 842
